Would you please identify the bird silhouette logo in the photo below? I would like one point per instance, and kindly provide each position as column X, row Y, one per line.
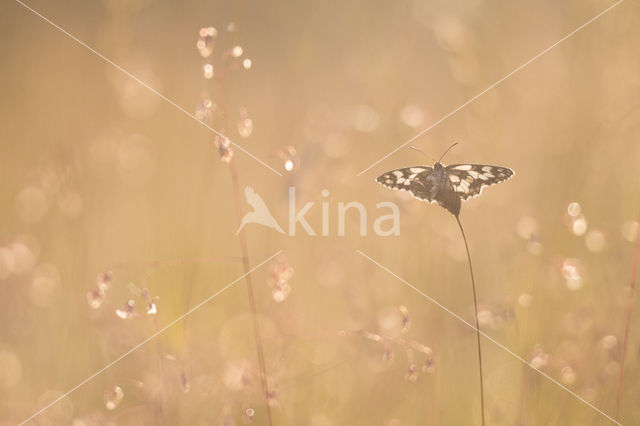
column 260, row 213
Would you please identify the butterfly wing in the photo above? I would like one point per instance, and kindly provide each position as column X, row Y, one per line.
column 469, row 179
column 401, row 179
column 423, row 185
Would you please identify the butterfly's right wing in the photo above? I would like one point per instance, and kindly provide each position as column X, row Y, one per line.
column 469, row 179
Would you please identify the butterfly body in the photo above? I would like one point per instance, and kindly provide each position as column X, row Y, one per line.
column 446, row 185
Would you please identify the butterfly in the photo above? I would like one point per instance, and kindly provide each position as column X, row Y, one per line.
column 446, row 185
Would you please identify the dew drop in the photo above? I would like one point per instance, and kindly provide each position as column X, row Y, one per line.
column 290, row 158
column 207, row 71
column 571, row 271
column 224, row 149
column 95, row 298
column 113, row 398
column 574, row 209
column 280, row 272
column 429, row 362
column 104, row 280
column 205, row 41
column 237, row 51
column 204, row 110
column 128, row 311
column 412, row 373
column 406, row 322
column 540, row 359
column 579, row 225
column 245, row 124
column 281, row 293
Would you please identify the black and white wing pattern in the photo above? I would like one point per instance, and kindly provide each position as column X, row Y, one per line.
column 401, row 178
column 446, row 185
column 469, row 179
column 425, row 184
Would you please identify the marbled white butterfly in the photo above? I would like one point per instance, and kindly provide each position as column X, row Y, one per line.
column 445, row 185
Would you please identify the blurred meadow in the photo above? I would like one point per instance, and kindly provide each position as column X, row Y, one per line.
column 118, row 216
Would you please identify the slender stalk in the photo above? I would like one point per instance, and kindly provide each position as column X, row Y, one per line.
column 252, row 303
column 243, row 247
column 627, row 325
column 475, row 305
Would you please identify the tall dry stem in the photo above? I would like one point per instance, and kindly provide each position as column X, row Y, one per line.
column 475, row 305
column 627, row 323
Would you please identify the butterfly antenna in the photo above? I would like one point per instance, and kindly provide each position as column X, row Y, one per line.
column 420, row 151
column 448, row 149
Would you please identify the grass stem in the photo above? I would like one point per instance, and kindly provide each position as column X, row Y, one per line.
column 252, row 303
column 627, row 324
column 475, row 305
column 245, row 256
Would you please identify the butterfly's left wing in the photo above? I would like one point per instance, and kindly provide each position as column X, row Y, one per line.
column 402, row 179
column 423, row 185
column 469, row 179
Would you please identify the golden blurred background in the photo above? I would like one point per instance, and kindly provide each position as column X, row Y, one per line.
column 101, row 177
